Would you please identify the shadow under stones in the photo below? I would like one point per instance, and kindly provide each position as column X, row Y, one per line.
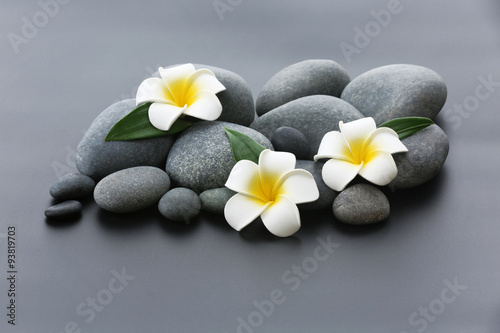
column 127, row 221
column 256, row 233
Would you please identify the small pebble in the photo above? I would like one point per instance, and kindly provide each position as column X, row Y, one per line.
column 72, row 186
column 64, row 210
column 291, row 140
column 361, row 204
column 180, row 204
column 215, row 200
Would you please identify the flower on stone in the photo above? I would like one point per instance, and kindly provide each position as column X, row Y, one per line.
column 270, row 189
column 359, row 148
column 180, row 90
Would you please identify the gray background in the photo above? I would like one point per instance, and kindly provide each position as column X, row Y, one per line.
column 203, row 277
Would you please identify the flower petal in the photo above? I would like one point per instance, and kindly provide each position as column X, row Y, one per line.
column 162, row 116
column 153, row 89
column 356, row 132
column 204, row 105
column 338, row 173
column 240, row 210
column 298, row 185
column 379, row 168
column 282, row 218
column 244, row 178
column 203, row 79
column 386, row 139
column 175, row 78
column 333, row 145
column 273, row 165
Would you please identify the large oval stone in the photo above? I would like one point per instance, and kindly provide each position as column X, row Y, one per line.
column 131, row 189
column 395, row 91
column 314, row 116
column 97, row 158
column 306, row 78
column 427, row 152
column 201, row 157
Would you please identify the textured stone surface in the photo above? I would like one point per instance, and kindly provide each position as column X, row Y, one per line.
column 237, row 100
column 314, row 116
column 180, row 204
column 64, row 210
column 361, row 204
column 97, row 158
column 326, row 194
column 131, row 189
column 215, row 200
column 201, row 157
column 72, row 186
column 395, row 91
column 291, row 140
column 306, row 78
column 427, row 152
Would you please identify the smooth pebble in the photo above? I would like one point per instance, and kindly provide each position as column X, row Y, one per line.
column 72, row 186
column 64, row 210
column 180, row 204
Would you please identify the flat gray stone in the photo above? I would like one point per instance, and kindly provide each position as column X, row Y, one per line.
column 427, row 152
column 97, row 158
column 64, row 210
column 361, row 204
column 201, row 157
column 291, row 140
column 326, row 194
column 396, row 91
column 72, row 186
column 314, row 116
column 215, row 200
column 180, row 204
column 131, row 189
column 237, row 100
column 306, row 78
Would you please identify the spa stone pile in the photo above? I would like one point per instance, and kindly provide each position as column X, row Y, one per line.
column 185, row 174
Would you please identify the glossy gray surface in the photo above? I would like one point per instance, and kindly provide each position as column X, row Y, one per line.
column 432, row 267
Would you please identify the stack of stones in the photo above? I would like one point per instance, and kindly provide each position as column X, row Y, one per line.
column 185, row 174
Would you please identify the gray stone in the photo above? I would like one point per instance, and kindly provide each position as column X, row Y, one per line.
column 215, row 200
column 291, row 140
column 237, row 100
column 72, row 186
column 396, row 91
column 180, row 204
column 131, row 189
column 314, row 116
column 361, row 204
column 326, row 194
column 97, row 158
column 64, row 210
column 201, row 157
column 306, row 78
column 427, row 152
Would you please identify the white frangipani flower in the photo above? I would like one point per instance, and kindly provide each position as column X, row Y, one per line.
column 271, row 190
column 181, row 90
column 359, row 148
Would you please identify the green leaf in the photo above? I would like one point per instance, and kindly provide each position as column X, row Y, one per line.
column 243, row 146
column 407, row 126
column 136, row 125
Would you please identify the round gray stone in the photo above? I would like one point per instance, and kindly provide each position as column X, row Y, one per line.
column 72, row 186
column 291, row 140
column 326, row 194
column 396, row 91
column 97, row 158
column 215, row 200
column 180, row 204
column 427, row 152
column 237, row 100
column 314, row 116
column 306, row 78
column 201, row 157
column 131, row 189
column 64, row 210
column 361, row 204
